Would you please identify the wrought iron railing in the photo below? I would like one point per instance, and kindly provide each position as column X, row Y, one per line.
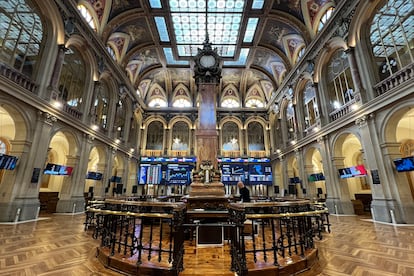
column 269, row 235
column 142, row 233
column 277, row 234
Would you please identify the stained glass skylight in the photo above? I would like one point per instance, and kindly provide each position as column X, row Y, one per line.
column 190, row 21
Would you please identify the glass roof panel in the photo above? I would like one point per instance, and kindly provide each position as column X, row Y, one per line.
column 257, row 4
column 250, row 30
column 193, row 19
column 162, row 28
column 171, row 60
column 244, row 53
column 155, row 4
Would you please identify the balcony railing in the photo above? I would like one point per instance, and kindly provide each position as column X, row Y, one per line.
column 152, row 152
column 178, row 153
column 257, row 153
column 342, row 111
column 396, row 79
column 72, row 111
column 231, row 153
column 17, row 77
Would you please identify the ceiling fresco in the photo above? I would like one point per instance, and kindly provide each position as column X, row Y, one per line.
column 129, row 28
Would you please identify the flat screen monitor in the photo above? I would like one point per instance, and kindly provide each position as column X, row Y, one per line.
column 316, row 177
column 94, row 175
column 55, row 169
column 405, row 164
column 231, row 173
column 354, row 171
column 116, row 179
column 8, row 162
column 260, row 174
column 150, row 174
column 179, row 174
column 294, row 180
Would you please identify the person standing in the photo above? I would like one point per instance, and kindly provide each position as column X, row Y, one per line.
column 244, row 192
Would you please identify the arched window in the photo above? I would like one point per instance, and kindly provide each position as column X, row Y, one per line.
column 72, row 79
column 157, row 102
column 180, row 136
column 155, row 135
column 230, row 136
column 325, row 17
column 87, row 16
column 100, row 106
column 4, row 148
column 255, row 135
column 21, row 34
column 254, row 103
column 290, row 121
column 181, row 98
column 310, row 106
column 301, row 53
column 111, row 52
column 339, row 81
column 181, row 102
column 120, row 115
column 230, row 103
column 230, row 98
column 392, row 37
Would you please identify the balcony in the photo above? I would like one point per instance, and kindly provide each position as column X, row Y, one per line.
column 17, row 77
column 396, row 79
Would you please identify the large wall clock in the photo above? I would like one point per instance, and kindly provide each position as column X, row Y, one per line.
column 207, row 61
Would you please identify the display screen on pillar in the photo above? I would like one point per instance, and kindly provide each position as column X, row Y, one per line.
column 316, row 177
column 405, row 164
column 294, row 180
column 94, row 175
column 115, row 179
column 355, row 171
column 54, row 169
column 8, row 162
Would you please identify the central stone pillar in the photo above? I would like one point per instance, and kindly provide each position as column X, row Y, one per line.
column 206, row 177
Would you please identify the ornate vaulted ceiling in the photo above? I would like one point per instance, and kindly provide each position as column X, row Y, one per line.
column 284, row 28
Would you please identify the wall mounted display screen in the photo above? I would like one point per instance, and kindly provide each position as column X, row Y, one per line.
column 260, row 174
column 355, row 171
column 294, row 180
column 179, row 174
column 405, row 164
column 54, row 169
column 316, row 177
column 115, row 179
column 233, row 173
column 8, row 162
column 150, row 174
column 94, row 175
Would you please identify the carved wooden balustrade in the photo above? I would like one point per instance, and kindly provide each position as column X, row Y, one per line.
column 138, row 237
column 275, row 235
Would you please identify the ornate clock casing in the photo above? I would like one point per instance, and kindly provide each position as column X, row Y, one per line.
column 207, row 65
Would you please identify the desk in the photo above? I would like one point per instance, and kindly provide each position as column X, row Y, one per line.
column 209, row 226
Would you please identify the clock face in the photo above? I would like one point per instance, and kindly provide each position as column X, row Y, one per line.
column 207, row 61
